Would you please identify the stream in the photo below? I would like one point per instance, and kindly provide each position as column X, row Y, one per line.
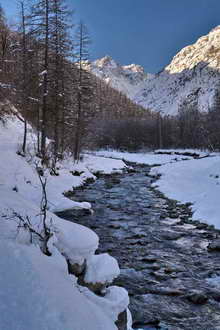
column 170, row 274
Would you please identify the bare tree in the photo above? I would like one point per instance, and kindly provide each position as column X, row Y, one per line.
column 24, row 72
column 84, row 88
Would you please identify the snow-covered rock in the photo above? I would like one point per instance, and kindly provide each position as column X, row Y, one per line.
column 37, row 293
column 116, row 299
column 74, row 241
column 102, row 269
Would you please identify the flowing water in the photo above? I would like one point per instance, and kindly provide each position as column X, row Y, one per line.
column 163, row 256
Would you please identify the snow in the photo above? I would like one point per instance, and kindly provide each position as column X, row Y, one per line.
column 36, row 291
column 141, row 158
column 74, row 241
column 193, row 71
column 128, row 79
column 104, row 165
column 195, row 181
column 101, row 268
column 192, row 180
column 16, row 173
column 116, row 299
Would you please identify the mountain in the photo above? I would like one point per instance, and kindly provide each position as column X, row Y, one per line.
column 128, row 79
column 192, row 76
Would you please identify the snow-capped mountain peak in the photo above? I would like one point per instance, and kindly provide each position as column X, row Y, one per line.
column 105, row 62
column 128, row 79
column 206, row 49
column 133, row 68
column 192, row 76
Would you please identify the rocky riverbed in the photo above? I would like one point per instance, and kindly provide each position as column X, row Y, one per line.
column 169, row 263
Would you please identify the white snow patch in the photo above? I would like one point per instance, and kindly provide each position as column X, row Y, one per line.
column 101, row 268
column 141, row 158
column 115, row 301
column 104, row 165
column 74, row 241
column 37, row 293
column 195, row 181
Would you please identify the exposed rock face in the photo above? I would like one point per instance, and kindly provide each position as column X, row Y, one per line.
column 194, row 71
column 206, row 49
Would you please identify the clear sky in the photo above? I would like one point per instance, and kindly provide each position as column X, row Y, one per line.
column 145, row 32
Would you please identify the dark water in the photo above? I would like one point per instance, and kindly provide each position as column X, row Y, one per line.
column 162, row 253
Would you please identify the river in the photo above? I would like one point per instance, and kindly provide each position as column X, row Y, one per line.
column 165, row 264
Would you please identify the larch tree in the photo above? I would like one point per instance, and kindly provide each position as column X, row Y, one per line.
column 61, row 47
column 83, row 86
column 39, row 23
column 23, row 77
column 49, row 21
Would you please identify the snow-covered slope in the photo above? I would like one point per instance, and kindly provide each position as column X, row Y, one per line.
column 193, row 74
column 128, row 79
column 36, row 290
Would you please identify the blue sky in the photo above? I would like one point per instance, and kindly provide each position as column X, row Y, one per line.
column 145, row 32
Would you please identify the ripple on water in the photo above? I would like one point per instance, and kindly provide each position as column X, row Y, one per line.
column 133, row 224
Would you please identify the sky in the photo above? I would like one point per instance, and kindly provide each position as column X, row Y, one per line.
column 145, row 32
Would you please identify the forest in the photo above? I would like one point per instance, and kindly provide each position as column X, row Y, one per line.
column 43, row 77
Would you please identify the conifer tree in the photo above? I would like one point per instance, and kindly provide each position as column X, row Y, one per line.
column 83, row 85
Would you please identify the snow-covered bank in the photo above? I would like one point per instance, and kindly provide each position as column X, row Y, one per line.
column 16, row 173
column 36, row 291
column 149, row 158
column 194, row 180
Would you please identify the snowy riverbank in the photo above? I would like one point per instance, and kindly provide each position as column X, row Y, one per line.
column 189, row 180
column 36, row 291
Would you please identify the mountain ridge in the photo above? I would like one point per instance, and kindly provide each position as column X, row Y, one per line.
column 192, row 76
column 127, row 79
